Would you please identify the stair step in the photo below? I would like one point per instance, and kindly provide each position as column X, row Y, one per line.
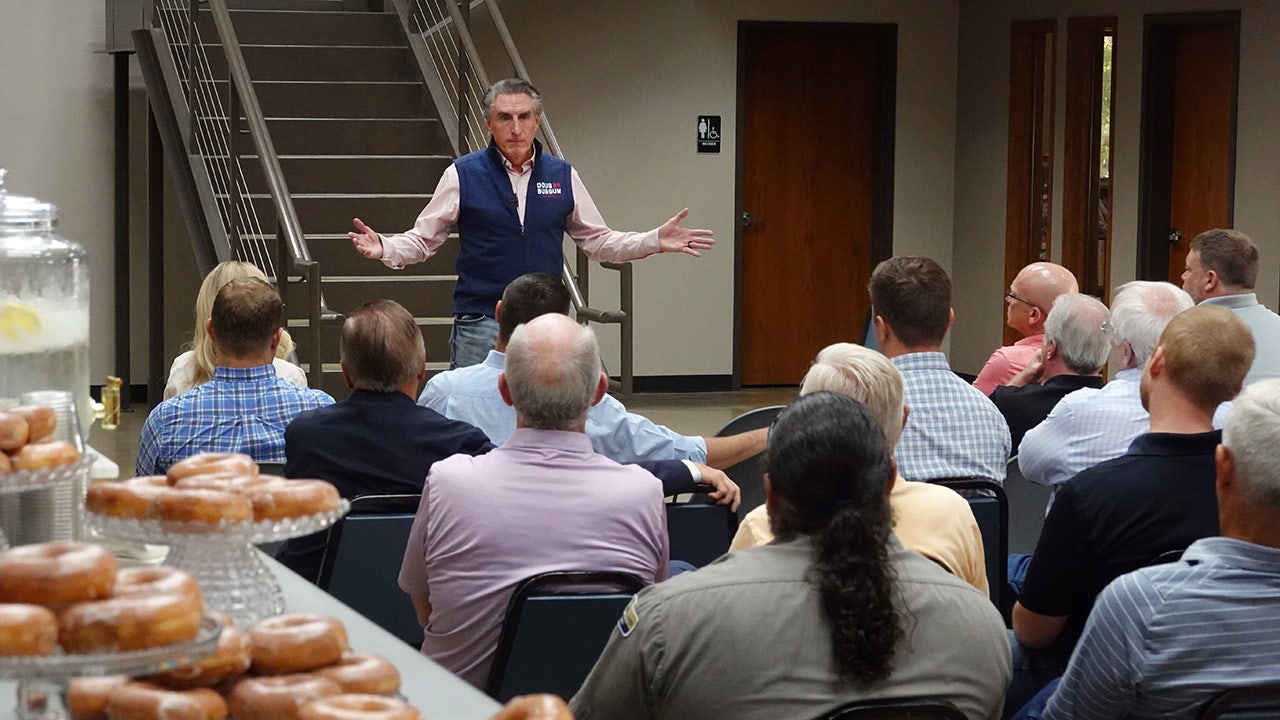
column 407, row 136
column 336, row 253
column 429, row 297
column 435, row 336
column 264, row 27
column 332, row 63
column 368, row 100
column 332, row 214
column 341, row 175
column 299, row 5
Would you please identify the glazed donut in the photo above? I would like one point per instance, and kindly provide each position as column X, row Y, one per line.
column 159, row 580
column 56, row 574
column 144, row 701
column 27, row 630
column 364, row 674
column 230, row 659
column 206, row 463
column 41, row 420
column 87, row 697
column 226, row 482
column 357, row 706
column 203, row 506
column 129, row 498
column 14, row 431
column 534, row 707
column 277, row 698
column 128, row 623
column 45, row 454
column 280, row 499
column 296, row 643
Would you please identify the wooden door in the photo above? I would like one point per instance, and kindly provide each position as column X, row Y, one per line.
column 1188, row 164
column 813, row 159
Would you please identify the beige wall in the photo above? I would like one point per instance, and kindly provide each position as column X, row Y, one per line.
column 624, row 84
column 982, row 124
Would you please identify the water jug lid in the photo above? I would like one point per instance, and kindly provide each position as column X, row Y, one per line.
column 19, row 212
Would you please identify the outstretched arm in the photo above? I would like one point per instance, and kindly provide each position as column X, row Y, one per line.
column 674, row 237
column 723, row 452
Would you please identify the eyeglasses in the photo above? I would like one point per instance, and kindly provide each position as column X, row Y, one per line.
column 1010, row 296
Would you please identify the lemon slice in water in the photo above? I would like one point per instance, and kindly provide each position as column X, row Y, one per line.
column 17, row 320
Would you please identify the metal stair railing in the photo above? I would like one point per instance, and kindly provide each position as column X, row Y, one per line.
column 213, row 133
column 454, row 73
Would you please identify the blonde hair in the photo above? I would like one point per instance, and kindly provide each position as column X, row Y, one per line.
column 204, row 357
column 864, row 375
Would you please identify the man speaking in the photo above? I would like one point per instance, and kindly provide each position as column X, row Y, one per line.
column 512, row 204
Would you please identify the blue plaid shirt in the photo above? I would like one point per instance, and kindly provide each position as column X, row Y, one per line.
column 953, row 430
column 239, row 410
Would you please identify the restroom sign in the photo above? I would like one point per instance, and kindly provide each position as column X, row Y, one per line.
column 708, row 133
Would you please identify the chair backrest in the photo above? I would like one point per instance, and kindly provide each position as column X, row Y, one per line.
column 271, row 468
column 1027, row 503
column 896, row 709
column 362, row 560
column 749, row 474
column 990, row 508
column 1245, row 703
column 1166, row 557
column 556, row 626
column 699, row 530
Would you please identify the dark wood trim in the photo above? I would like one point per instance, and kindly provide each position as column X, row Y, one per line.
column 120, row 256
column 886, row 35
column 1082, row 151
column 684, row 383
column 1030, row 42
column 1155, row 134
column 155, row 259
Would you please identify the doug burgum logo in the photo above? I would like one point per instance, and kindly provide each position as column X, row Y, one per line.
column 547, row 188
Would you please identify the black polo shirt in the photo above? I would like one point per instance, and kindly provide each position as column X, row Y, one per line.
column 1116, row 517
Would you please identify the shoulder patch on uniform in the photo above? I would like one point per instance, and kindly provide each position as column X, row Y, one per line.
column 629, row 620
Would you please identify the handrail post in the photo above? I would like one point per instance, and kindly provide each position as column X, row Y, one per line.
column 233, row 174
column 628, row 339
column 464, row 70
column 312, row 271
column 192, row 116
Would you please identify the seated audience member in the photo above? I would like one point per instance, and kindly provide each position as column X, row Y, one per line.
column 1028, row 304
column 930, row 519
column 471, row 394
column 378, row 441
column 1091, row 425
column 834, row 610
column 195, row 366
column 1119, row 515
column 1222, row 267
column 543, row 501
column 1076, row 344
column 953, row 431
column 246, row 406
column 1162, row 641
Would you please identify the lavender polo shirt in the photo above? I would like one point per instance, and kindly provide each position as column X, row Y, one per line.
column 543, row 501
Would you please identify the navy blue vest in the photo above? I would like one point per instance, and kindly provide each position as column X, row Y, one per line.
column 495, row 249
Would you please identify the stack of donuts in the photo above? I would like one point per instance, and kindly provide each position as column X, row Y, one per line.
column 288, row 667
column 212, row 488
column 72, row 596
column 26, row 440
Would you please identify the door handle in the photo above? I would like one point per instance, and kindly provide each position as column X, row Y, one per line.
column 748, row 219
column 1175, row 236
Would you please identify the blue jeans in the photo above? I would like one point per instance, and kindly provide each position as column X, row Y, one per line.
column 1034, row 710
column 472, row 338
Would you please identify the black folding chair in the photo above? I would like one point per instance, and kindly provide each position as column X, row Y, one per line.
column 895, row 709
column 749, row 474
column 1168, row 556
column 1246, row 703
column 700, row 530
column 362, row 558
column 556, row 626
column 990, row 508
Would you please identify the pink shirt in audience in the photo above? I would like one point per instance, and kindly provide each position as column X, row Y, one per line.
column 1006, row 362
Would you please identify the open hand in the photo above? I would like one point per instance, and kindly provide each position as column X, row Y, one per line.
column 368, row 243
column 674, row 238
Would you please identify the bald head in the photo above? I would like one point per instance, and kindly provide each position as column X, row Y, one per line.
column 552, row 375
column 1036, row 287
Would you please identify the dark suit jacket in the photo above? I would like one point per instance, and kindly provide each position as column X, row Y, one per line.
column 1027, row 406
column 384, row 444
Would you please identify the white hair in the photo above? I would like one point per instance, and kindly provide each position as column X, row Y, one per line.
column 1141, row 310
column 864, row 375
column 1250, row 433
column 552, row 385
column 1078, row 324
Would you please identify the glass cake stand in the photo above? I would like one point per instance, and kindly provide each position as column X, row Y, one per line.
column 61, row 476
column 42, row 679
column 221, row 556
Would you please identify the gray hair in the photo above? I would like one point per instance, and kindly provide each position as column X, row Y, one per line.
column 511, row 86
column 1140, row 312
column 1250, row 434
column 552, row 383
column 864, row 375
column 1078, row 324
column 381, row 346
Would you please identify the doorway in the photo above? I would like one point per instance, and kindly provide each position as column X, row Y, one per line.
column 815, row 194
column 1189, row 90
